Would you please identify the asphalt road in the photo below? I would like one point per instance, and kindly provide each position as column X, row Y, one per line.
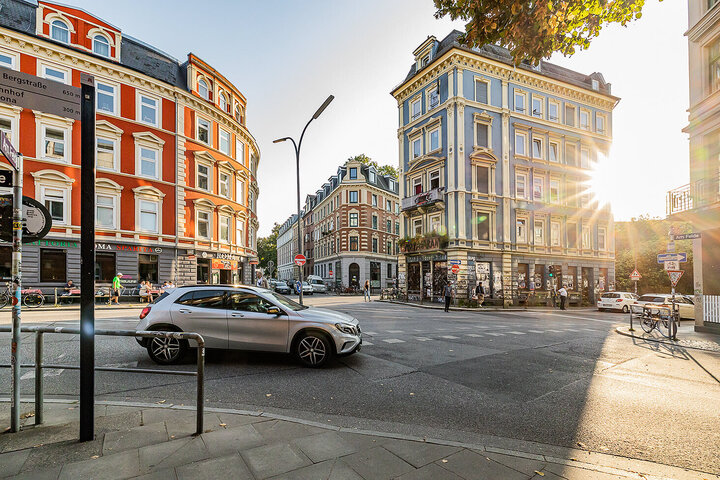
column 548, row 377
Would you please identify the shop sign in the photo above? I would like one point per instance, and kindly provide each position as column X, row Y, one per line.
column 226, row 256
column 55, row 243
column 127, row 248
column 223, row 264
column 427, row 258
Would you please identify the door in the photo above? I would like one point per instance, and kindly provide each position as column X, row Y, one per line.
column 203, row 312
column 250, row 328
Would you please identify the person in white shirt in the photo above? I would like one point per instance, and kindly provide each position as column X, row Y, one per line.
column 563, row 297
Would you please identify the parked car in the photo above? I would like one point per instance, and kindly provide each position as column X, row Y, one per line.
column 684, row 303
column 306, row 288
column 317, row 284
column 247, row 318
column 616, row 301
column 280, row 287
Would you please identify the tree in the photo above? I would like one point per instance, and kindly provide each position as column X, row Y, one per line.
column 267, row 248
column 535, row 29
column 382, row 169
column 638, row 242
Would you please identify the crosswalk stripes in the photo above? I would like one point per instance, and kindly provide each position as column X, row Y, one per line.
column 474, row 335
column 423, row 339
column 370, row 333
column 394, row 331
column 535, row 331
column 449, row 337
column 393, row 340
column 494, row 334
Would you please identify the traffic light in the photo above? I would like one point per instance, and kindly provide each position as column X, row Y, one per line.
column 551, row 271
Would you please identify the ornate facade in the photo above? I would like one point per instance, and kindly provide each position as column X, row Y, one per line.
column 176, row 164
column 494, row 163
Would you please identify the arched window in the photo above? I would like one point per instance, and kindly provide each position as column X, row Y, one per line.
column 101, row 46
column 203, row 89
column 238, row 113
column 222, row 102
column 59, row 31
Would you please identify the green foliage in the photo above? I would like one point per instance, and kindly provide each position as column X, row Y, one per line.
column 267, row 248
column 535, row 29
column 382, row 169
column 641, row 240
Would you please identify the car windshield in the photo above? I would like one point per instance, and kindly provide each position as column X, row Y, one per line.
column 284, row 301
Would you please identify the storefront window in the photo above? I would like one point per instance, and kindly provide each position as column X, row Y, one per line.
column 148, row 268
column 203, row 270
column 571, row 279
column 53, row 265
column 375, row 274
column 6, row 263
column 523, row 276
column 104, row 267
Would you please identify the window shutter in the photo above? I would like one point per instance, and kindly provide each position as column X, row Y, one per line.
column 482, row 135
column 481, row 92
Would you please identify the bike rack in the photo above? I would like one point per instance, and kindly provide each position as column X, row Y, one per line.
column 38, row 366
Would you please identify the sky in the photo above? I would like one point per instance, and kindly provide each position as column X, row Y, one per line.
column 288, row 56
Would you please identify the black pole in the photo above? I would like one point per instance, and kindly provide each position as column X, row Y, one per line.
column 87, row 258
column 299, row 242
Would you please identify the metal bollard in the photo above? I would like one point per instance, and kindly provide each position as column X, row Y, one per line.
column 200, row 388
column 56, row 304
column 38, row 378
column 631, row 324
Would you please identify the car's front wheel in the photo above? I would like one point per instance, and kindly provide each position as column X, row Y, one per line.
column 313, row 349
column 625, row 309
column 166, row 351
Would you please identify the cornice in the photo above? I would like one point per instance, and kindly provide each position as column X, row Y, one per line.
column 457, row 58
column 704, row 25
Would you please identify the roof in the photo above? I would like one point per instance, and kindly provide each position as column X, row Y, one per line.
column 502, row 54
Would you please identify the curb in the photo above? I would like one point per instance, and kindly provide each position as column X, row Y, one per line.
column 455, row 309
column 572, row 462
column 662, row 340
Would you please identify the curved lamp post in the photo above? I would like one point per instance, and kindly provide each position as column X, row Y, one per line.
column 297, row 162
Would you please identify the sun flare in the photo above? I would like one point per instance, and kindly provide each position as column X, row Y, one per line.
column 602, row 185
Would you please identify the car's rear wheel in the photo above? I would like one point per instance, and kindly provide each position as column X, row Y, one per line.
column 601, row 309
column 167, row 351
column 313, row 349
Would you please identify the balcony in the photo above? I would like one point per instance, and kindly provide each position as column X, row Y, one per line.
column 427, row 201
column 698, row 195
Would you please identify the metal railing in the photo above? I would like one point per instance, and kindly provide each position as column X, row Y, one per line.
column 39, row 366
column 703, row 192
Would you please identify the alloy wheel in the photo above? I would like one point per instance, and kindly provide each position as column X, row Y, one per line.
column 165, row 349
column 312, row 351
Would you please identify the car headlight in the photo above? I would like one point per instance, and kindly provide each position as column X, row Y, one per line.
column 346, row 328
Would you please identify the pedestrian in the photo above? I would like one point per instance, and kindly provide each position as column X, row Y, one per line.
column 448, row 293
column 261, row 280
column 553, row 297
column 479, row 294
column 366, row 291
column 563, row 297
column 116, row 285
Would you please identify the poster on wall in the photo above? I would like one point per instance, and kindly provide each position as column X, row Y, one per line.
column 497, row 284
column 401, row 279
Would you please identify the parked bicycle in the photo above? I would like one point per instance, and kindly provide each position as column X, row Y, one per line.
column 30, row 297
column 654, row 317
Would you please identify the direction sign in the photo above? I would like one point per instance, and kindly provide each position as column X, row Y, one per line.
column 8, row 150
column 37, row 222
column 672, row 265
column 686, row 236
column 635, row 275
column 36, row 93
column 300, row 260
column 455, row 262
column 674, row 276
column 670, row 247
column 455, row 268
column 666, row 257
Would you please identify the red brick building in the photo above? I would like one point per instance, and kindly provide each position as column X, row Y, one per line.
column 176, row 165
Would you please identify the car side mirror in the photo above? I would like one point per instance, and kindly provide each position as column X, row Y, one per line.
column 274, row 311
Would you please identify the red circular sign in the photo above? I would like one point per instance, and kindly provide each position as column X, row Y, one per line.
column 455, row 268
column 300, row 259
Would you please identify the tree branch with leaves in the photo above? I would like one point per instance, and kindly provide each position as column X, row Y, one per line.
column 535, row 29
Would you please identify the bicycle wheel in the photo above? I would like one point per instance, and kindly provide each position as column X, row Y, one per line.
column 665, row 330
column 33, row 300
column 4, row 300
column 648, row 324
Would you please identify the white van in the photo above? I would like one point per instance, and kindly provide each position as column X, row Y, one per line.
column 317, row 284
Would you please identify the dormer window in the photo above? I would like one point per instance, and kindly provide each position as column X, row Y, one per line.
column 222, row 102
column 425, row 61
column 203, row 89
column 59, row 31
column 101, row 46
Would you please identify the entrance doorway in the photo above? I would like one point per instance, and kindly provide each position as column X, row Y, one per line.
column 354, row 275
column 226, row 276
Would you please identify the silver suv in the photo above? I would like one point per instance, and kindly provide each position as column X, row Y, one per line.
column 247, row 318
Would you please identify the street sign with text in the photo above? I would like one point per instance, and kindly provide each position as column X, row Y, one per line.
column 686, row 236
column 672, row 265
column 36, row 93
column 6, row 178
column 7, row 149
column 667, row 257
column 455, row 268
column 300, row 259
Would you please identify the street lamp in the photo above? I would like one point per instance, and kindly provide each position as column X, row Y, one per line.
column 297, row 161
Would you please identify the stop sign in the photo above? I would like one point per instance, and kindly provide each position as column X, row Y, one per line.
column 455, row 268
column 300, row 259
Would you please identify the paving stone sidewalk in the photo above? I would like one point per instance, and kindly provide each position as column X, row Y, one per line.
column 157, row 442
column 687, row 337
